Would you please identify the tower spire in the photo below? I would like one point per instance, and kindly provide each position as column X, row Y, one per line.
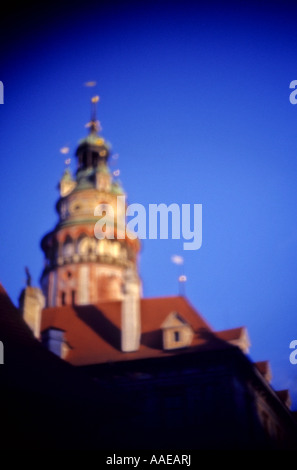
column 94, row 123
column 94, row 101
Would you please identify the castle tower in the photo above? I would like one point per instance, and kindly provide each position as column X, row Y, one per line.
column 82, row 267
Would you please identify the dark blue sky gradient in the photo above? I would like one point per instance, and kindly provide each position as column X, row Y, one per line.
column 195, row 100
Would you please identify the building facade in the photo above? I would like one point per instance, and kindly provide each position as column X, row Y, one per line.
column 184, row 385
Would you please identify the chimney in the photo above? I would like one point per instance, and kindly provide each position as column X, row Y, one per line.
column 131, row 323
column 31, row 303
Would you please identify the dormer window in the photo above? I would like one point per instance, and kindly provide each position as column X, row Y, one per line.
column 177, row 333
column 54, row 340
column 176, row 336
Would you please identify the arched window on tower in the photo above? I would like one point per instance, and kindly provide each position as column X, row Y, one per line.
column 123, row 253
column 92, row 245
column 84, row 159
column 63, row 298
column 68, row 247
column 83, row 245
column 101, row 248
column 53, row 252
column 73, row 295
column 94, row 159
column 116, row 247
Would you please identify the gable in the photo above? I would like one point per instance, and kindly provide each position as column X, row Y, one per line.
column 174, row 320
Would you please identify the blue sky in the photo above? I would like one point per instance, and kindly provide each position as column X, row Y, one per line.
column 195, row 100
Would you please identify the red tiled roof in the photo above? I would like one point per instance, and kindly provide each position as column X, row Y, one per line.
column 93, row 332
column 231, row 334
column 262, row 366
column 2, row 290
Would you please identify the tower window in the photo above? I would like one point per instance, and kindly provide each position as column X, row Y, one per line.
column 85, row 160
column 176, row 336
column 63, row 298
column 68, row 247
column 94, row 159
column 73, row 293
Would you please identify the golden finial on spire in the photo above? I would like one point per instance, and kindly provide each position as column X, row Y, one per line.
column 94, row 124
column 94, row 101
